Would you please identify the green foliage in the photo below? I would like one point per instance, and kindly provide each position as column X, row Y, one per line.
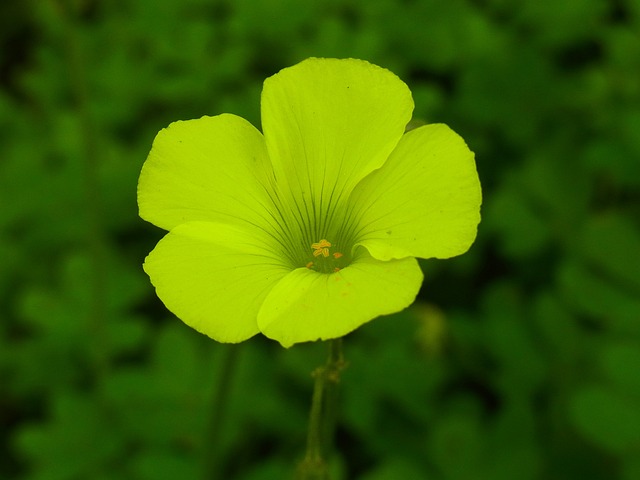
column 522, row 359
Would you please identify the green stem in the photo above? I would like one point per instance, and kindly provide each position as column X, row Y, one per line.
column 211, row 457
column 322, row 418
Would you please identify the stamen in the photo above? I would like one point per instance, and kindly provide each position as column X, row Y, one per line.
column 321, row 244
column 320, row 251
column 321, row 248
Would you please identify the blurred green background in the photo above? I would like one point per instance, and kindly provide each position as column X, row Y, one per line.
column 521, row 359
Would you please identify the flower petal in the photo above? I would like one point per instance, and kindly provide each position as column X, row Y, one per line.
column 327, row 124
column 214, row 277
column 209, row 169
column 306, row 305
column 425, row 200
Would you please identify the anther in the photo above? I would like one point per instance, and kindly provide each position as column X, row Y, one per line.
column 321, row 244
column 321, row 248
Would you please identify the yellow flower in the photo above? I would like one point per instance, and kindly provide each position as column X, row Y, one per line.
column 309, row 229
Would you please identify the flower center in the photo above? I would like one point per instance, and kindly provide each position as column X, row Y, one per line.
column 323, row 260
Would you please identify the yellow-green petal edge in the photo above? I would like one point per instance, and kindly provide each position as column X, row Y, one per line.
column 196, row 170
column 214, row 277
column 307, row 305
column 424, row 202
column 330, row 122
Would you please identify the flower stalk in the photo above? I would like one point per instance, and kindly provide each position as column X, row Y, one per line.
column 323, row 415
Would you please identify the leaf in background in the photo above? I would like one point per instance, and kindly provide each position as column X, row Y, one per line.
column 597, row 298
column 78, row 441
column 560, row 190
column 389, row 379
column 620, row 362
column 607, row 418
column 163, row 403
column 268, row 469
column 631, row 468
column 457, row 446
column 163, row 465
column 558, row 23
column 519, row 367
column 614, row 159
column 561, row 335
column 521, row 230
column 396, row 468
column 61, row 324
column 511, row 446
column 612, row 245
